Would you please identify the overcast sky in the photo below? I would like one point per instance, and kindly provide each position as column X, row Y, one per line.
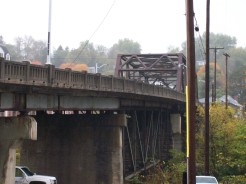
column 155, row 24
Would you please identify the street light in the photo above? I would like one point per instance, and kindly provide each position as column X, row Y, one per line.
column 49, row 29
column 98, row 67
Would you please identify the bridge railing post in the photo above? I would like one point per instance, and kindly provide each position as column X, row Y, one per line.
column 135, row 86
column 124, row 85
column 51, row 74
column 27, row 74
column 112, row 83
column 99, row 77
column 69, row 79
column 85, row 81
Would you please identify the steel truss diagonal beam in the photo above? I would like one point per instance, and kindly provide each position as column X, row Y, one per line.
column 146, row 140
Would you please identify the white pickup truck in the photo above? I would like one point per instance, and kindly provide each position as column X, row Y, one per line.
column 24, row 176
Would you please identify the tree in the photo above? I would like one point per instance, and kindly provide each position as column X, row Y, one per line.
column 14, row 52
column 220, row 77
column 215, row 40
column 173, row 49
column 236, row 65
column 1, row 39
column 124, row 46
column 86, row 53
column 39, row 51
column 75, row 67
column 59, row 56
column 227, row 142
column 236, row 73
column 28, row 49
column 27, row 44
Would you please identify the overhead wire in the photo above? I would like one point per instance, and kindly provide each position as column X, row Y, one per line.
column 201, row 45
column 98, row 27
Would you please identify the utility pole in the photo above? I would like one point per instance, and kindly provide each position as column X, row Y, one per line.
column 226, row 98
column 214, row 88
column 49, row 29
column 206, row 161
column 191, row 100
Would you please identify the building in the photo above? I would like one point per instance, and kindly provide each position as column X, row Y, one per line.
column 231, row 102
column 4, row 53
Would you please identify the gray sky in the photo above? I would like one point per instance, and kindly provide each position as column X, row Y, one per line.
column 155, row 24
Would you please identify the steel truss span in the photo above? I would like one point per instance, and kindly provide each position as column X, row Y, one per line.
column 168, row 70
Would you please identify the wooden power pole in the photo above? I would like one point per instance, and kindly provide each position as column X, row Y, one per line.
column 191, row 91
column 215, row 52
column 226, row 95
column 206, row 161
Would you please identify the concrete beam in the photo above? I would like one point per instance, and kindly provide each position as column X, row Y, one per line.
column 12, row 131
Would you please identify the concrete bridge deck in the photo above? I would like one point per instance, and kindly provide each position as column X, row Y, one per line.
column 26, row 87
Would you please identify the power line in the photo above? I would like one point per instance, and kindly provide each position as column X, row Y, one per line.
column 95, row 31
column 201, row 46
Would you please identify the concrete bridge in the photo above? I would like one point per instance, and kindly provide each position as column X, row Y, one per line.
column 90, row 128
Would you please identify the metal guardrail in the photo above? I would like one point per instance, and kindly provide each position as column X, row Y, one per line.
column 47, row 75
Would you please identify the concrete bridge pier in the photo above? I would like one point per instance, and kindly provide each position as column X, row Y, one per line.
column 12, row 132
column 176, row 122
column 78, row 148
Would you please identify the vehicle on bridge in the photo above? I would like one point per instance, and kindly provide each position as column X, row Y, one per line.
column 24, row 176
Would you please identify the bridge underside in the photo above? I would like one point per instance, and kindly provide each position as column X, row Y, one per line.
column 35, row 101
column 99, row 146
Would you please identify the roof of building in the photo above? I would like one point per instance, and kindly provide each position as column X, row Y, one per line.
column 231, row 101
column 4, row 49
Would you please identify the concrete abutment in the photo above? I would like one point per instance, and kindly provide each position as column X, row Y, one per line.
column 13, row 130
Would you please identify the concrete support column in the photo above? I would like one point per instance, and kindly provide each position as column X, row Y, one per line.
column 176, row 129
column 12, row 131
column 77, row 148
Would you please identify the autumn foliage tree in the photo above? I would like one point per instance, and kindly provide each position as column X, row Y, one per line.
column 226, row 143
column 220, row 80
column 75, row 67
